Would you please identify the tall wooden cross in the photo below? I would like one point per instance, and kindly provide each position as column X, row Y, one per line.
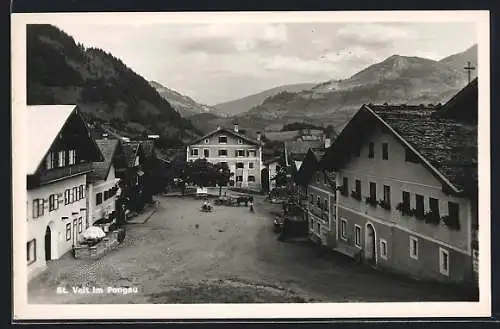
column 469, row 68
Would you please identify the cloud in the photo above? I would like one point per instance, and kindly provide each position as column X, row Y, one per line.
column 373, row 35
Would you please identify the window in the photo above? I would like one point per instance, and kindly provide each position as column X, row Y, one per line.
column 250, row 165
column 80, row 225
column 239, row 165
column 345, row 185
column 206, row 140
column 383, row 248
column 222, row 139
column 194, row 152
column 406, row 200
column 373, row 191
column 413, row 247
column 31, row 251
column 358, row 187
column 51, row 160
column 434, row 206
column 410, row 156
column 419, row 201
column 75, row 194
column 387, row 195
column 38, row 207
column 106, row 195
column 444, row 261
column 453, row 210
column 311, row 199
column 67, row 197
column 317, row 178
column 53, row 202
column 239, row 178
column 98, row 199
column 87, row 224
column 223, row 153
column 61, row 157
column 72, row 157
column 343, row 229
column 318, row 202
column 251, row 178
column 81, row 191
column 206, row 153
column 68, row 231
column 325, row 205
column 357, row 236
column 252, row 153
column 240, row 141
column 318, row 228
column 371, row 150
column 385, row 151
column 240, row 153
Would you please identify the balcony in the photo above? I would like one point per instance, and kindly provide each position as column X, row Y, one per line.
column 62, row 172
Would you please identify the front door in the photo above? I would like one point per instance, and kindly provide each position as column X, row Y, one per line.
column 48, row 243
column 370, row 245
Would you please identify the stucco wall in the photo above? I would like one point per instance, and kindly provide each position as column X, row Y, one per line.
column 54, row 219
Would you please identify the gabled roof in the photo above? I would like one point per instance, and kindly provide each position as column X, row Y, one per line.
column 44, row 123
column 108, row 148
column 309, row 166
column 447, row 148
column 131, row 150
column 226, row 131
column 463, row 106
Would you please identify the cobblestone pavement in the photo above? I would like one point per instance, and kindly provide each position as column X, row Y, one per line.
column 183, row 255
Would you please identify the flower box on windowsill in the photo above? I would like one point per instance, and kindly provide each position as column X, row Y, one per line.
column 432, row 217
column 452, row 223
column 372, row 202
column 384, row 205
column 405, row 210
column 356, row 195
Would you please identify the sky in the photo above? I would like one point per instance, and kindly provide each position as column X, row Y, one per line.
column 218, row 62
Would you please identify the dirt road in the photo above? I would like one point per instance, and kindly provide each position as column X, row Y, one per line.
column 182, row 255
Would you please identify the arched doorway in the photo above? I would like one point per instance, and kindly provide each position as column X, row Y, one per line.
column 370, row 245
column 48, row 244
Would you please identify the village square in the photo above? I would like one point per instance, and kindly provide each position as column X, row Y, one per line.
column 133, row 200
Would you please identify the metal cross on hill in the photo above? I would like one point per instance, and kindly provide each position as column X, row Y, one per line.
column 469, row 69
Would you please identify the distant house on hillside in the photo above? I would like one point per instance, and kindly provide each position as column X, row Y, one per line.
column 242, row 154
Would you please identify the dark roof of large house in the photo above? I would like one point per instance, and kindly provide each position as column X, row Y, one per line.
column 309, row 166
column 108, row 149
column 447, row 147
column 463, row 106
column 297, row 150
column 227, row 131
column 131, row 150
column 147, row 147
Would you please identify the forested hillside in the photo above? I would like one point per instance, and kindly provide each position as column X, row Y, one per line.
column 62, row 71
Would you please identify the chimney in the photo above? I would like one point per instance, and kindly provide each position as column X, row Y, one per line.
column 258, row 136
column 218, row 127
column 236, row 128
column 327, row 142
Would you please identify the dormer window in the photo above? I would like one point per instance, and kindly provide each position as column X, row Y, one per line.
column 72, row 157
column 222, row 139
column 206, row 140
column 62, row 158
column 240, row 141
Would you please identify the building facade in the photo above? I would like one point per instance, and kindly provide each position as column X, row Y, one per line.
column 61, row 153
column 242, row 154
column 406, row 191
column 102, row 183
